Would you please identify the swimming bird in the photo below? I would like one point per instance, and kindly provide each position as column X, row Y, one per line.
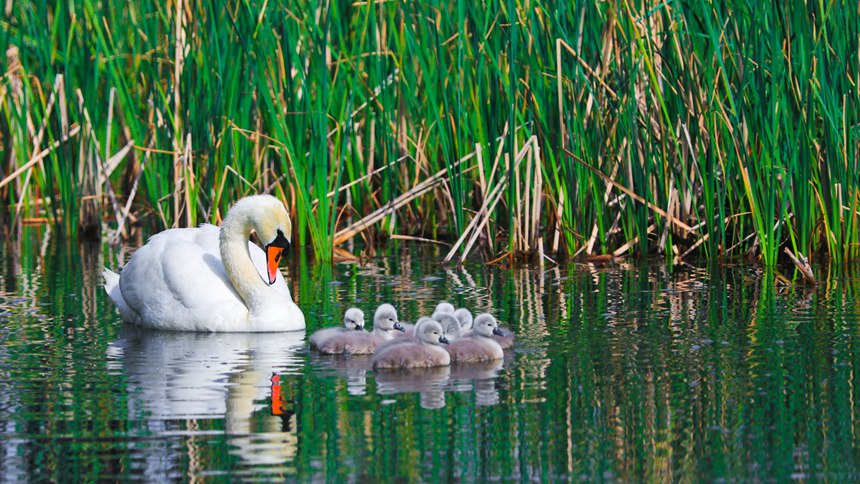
column 363, row 342
column 212, row 278
column 399, row 338
column 353, row 320
column 422, row 351
column 450, row 325
column 465, row 318
column 480, row 346
column 443, row 307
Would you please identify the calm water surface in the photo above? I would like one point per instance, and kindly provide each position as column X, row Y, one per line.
column 632, row 373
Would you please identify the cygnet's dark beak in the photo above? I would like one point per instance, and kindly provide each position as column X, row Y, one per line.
column 359, row 328
column 498, row 331
column 399, row 327
column 444, row 340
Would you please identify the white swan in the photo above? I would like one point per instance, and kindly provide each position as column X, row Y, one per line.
column 211, row 279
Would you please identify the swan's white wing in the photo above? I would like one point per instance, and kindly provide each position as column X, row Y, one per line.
column 176, row 279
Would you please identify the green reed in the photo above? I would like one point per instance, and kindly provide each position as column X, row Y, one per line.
column 712, row 129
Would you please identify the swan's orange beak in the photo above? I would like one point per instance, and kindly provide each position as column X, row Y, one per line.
column 273, row 257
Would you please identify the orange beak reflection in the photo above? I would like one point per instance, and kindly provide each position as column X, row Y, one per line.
column 273, row 257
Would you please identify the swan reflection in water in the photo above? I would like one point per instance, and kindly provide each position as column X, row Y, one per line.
column 229, row 376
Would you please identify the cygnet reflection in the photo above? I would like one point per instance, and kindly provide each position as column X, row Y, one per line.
column 430, row 383
column 480, row 377
column 353, row 368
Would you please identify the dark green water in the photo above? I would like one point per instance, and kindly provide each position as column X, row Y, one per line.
column 620, row 374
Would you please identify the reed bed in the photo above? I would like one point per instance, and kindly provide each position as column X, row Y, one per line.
column 526, row 128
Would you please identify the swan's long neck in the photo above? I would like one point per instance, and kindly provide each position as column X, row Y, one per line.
column 235, row 231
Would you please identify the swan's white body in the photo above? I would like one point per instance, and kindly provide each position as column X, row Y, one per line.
column 209, row 278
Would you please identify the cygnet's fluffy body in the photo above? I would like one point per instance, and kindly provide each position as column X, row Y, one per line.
column 505, row 339
column 480, row 346
column 421, row 351
column 353, row 320
column 443, row 307
column 408, row 331
column 399, row 339
column 464, row 317
column 450, row 326
column 363, row 342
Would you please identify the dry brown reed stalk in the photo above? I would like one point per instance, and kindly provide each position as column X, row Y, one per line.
column 420, row 189
column 589, row 247
column 630, row 243
column 802, row 264
column 101, row 162
column 483, row 215
column 127, row 209
column 37, row 141
column 634, row 196
column 74, row 131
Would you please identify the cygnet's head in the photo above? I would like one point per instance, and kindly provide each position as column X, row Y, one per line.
column 269, row 218
column 444, row 307
column 354, row 319
column 464, row 317
column 385, row 318
column 421, row 321
column 450, row 325
column 431, row 332
column 486, row 325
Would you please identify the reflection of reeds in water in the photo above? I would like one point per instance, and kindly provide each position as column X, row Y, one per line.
column 671, row 356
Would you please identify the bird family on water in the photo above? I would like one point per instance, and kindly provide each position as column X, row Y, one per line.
column 448, row 336
column 212, row 278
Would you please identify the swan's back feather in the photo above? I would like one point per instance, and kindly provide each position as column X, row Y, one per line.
column 115, row 294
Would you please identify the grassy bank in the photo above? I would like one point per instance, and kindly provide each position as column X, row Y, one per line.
column 672, row 128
